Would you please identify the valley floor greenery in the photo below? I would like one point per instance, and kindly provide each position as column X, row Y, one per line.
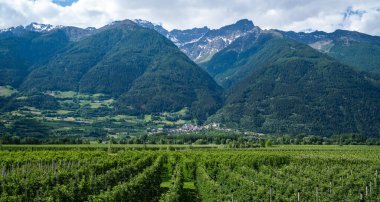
column 182, row 173
column 71, row 117
column 68, row 117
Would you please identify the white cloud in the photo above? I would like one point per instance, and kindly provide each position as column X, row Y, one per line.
column 297, row 15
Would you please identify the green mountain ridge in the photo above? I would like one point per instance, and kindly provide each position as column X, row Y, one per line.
column 287, row 87
column 144, row 70
column 358, row 50
column 20, row 53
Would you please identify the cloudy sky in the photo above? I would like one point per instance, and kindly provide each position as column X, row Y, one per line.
column 297, row 15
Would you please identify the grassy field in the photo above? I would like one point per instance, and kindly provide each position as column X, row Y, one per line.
column 6, row 91
column 80, row 114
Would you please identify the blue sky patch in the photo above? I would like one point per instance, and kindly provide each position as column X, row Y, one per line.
column 64, row 2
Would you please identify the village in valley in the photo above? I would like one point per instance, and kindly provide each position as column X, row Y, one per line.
column 187, row 128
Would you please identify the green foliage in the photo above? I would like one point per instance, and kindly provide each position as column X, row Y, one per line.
column 241, row 181
column 268, row 143
column 277, row 173
column 27, row 131
column 176, row 188
column 40, row 101
column 143, row 187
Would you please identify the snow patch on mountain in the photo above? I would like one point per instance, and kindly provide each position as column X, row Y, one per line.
column 202, row 49
column 145, row 22
column 155, row 26
column 36, row 27
column 200, row 44
column 33, row 27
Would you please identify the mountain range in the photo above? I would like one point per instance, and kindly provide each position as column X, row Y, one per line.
column 353, row 48
column 356, row 49
column 240, row 75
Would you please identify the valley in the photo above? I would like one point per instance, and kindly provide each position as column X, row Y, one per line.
column 171, row 101
column 77, row 115
column 132, row 78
